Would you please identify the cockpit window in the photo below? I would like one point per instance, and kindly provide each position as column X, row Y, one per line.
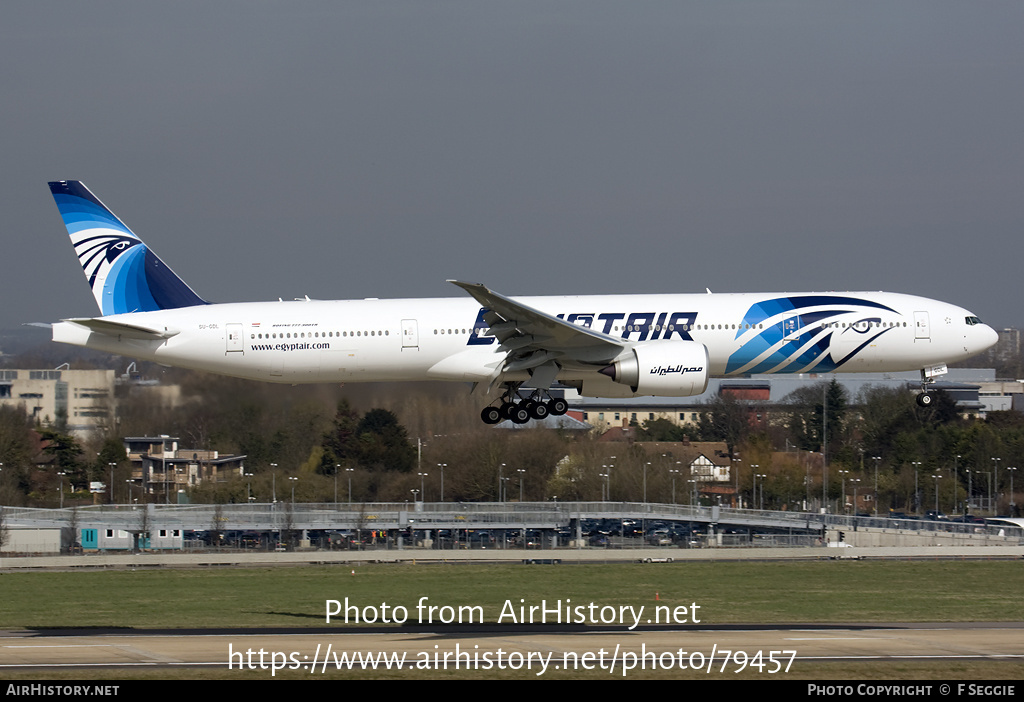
column 971, row 321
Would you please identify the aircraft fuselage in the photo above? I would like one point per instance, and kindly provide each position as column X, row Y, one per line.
column 312, row 341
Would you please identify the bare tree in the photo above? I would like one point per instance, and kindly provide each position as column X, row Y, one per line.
column 69, row 534
column 217, row 524
column 144, row 524
column 288, row 526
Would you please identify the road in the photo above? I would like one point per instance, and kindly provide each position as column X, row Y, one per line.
column 535, row 650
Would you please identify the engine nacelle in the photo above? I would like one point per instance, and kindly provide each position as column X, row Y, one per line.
column 663, row 368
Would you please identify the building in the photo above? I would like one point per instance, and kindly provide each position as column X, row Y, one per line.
column 111, row 539
column 701, row 467
column 163, row 469
column 82, row 400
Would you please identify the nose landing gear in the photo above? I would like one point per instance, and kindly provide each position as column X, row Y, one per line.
column 926, row 398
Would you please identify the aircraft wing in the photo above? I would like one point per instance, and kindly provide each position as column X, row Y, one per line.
column 533, row 338
column 130, row 331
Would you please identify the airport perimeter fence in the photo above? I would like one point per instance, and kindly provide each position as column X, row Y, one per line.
column 447, row 516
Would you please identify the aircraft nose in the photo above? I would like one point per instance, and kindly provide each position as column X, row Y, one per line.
column 987, row 337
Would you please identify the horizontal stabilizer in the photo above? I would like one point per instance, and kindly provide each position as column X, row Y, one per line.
column 131, row 331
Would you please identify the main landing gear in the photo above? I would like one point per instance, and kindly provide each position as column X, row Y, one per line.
column 520, row 409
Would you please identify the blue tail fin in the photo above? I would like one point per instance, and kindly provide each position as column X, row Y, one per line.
column 125, row 276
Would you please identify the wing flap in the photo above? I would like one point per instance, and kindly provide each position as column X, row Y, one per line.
column 532, row 338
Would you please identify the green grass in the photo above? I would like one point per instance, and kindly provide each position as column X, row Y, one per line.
column 825, row 591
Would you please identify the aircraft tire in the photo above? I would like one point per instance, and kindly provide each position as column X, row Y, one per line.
column 491, row 415
column 538, row 410
column 925, row 399
column 520, row 415
column 558, row 406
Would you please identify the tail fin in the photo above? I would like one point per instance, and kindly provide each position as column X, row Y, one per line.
column 125, row 276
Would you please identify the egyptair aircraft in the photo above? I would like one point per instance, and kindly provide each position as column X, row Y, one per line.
column 603, row 345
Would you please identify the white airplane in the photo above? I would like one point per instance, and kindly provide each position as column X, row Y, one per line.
column 603, row 345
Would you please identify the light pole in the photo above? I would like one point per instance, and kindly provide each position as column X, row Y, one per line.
column 673, row 472
column 442, row 466
column 611, row 465
column 824, row 482
column 936, row 476
column 875, row 498
column 423, row 492
column 995, row 480
column 248, row 488
column 735, row 468
column 350, row 471
column 273, row 481
column 293, row 481
column 522, row 472
column 608, row 478
column 753, row 490
column 807, row 488
column 1012, row 469
column 956, row 460
column 61, row 474
column 989, row 474
column 917, row 490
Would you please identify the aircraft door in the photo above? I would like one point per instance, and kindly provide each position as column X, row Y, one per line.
column 410, row 335
column 922, row 330
column 791, row 328
column 234, row 338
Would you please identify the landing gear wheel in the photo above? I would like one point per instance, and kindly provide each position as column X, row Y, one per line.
column 558, row 406
column 520, row 415
column 926, row 399
column 538, row 410
column 491, row 415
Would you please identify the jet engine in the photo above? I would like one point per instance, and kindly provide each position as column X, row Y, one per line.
column 665, row 368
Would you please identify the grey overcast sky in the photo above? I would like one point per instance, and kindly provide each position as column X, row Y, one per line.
column 373, row 149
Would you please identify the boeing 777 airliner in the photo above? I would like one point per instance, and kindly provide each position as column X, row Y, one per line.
column 604, row 345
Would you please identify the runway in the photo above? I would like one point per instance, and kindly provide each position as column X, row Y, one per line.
column 533, row 650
